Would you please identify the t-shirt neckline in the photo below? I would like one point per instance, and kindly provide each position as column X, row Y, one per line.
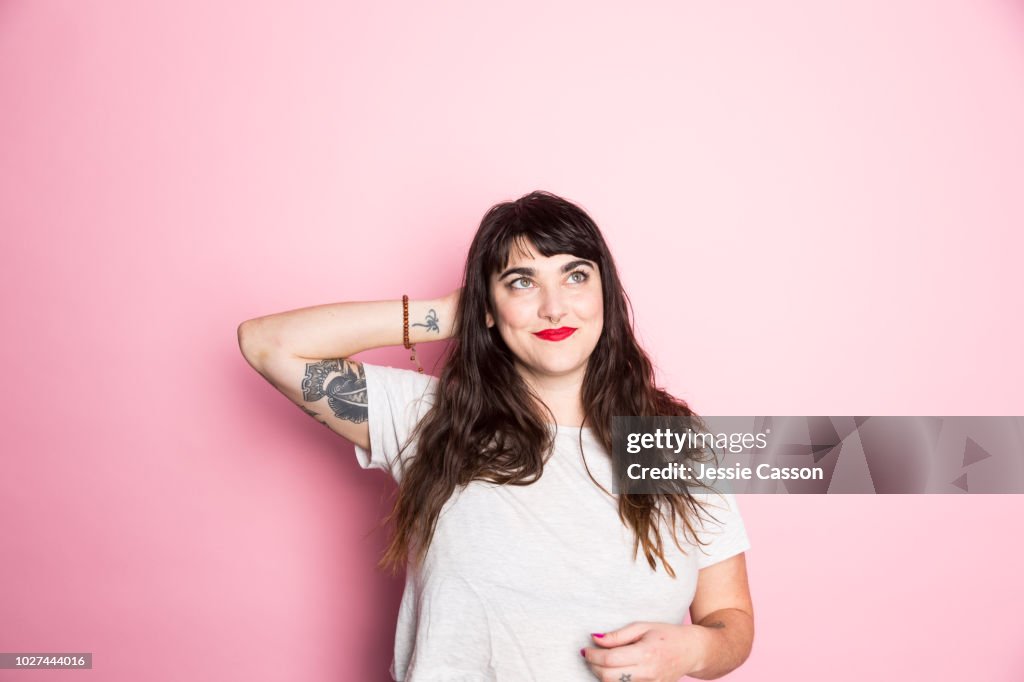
column 563, row 427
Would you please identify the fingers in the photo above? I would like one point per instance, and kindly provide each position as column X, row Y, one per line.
column 615, row 658
column 624, row 674
column 625, row 635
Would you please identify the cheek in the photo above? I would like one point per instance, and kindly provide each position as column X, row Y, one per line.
column 594, row 315
column 592, row 306
column 513, row 314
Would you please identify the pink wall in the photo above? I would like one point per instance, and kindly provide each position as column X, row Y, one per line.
column 816, row 208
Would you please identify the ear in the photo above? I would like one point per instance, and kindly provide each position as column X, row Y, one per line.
column 490, row 320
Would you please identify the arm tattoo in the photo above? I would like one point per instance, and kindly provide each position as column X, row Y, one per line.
column 314, row 415
column 717, row 624
column 432, row 322
column 345, row 392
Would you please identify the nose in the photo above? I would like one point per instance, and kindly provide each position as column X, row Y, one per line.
column 552, row 306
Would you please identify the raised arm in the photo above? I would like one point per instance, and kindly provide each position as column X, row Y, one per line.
column 306, row 353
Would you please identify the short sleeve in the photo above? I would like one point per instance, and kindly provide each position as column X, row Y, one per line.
column 725, row 533
column 396, row 400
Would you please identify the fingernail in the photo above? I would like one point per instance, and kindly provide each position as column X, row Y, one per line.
column 597, row 634
column 582, row 653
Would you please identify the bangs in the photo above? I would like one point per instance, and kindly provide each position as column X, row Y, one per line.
column 524, row 232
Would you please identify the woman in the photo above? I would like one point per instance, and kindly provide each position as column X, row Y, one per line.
column 521, row 564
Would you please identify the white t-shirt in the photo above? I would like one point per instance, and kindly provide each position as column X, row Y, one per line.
column 517, row 577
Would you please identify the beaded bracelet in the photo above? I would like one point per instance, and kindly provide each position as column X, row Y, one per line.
column 405, row 333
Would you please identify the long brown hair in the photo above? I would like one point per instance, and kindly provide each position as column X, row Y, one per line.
column 480, row 428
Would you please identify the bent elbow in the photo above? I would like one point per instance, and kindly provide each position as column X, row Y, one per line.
column 250, row 344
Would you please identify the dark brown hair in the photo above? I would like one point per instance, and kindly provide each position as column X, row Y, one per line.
column 480, row 428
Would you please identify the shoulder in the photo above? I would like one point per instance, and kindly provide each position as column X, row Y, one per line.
column 396, row 390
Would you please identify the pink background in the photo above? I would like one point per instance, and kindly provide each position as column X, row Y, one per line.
column 816, row 208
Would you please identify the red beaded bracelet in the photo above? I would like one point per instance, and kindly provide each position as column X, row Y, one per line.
column 405, row 333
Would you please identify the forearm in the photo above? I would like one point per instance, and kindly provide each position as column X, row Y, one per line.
column 340, row 330
column 729, row 638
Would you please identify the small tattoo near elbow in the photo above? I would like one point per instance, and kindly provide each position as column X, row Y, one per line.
column 342, row 382
column 431, row 322
column 717, row 624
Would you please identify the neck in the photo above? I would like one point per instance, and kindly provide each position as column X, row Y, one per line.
column 562, row 394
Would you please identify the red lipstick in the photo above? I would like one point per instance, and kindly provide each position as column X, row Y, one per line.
column 555, row 334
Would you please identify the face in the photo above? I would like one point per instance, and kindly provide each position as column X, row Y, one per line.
column 549, row 311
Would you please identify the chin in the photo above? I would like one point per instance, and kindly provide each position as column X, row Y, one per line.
column 565, row 367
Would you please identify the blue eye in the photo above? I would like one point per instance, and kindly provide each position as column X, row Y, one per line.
column 512, row 284
column 575, row 277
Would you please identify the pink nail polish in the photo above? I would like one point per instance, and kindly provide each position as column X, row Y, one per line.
column 597, row 634
column 582, row 653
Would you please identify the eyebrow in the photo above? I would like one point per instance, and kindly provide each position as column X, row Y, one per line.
column 530, row 272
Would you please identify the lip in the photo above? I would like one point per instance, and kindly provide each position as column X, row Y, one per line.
column 555, row 334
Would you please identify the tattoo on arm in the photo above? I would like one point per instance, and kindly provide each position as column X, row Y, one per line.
column 431, row 323
column 717, row 624
column 342, row 382
column 314, row 415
